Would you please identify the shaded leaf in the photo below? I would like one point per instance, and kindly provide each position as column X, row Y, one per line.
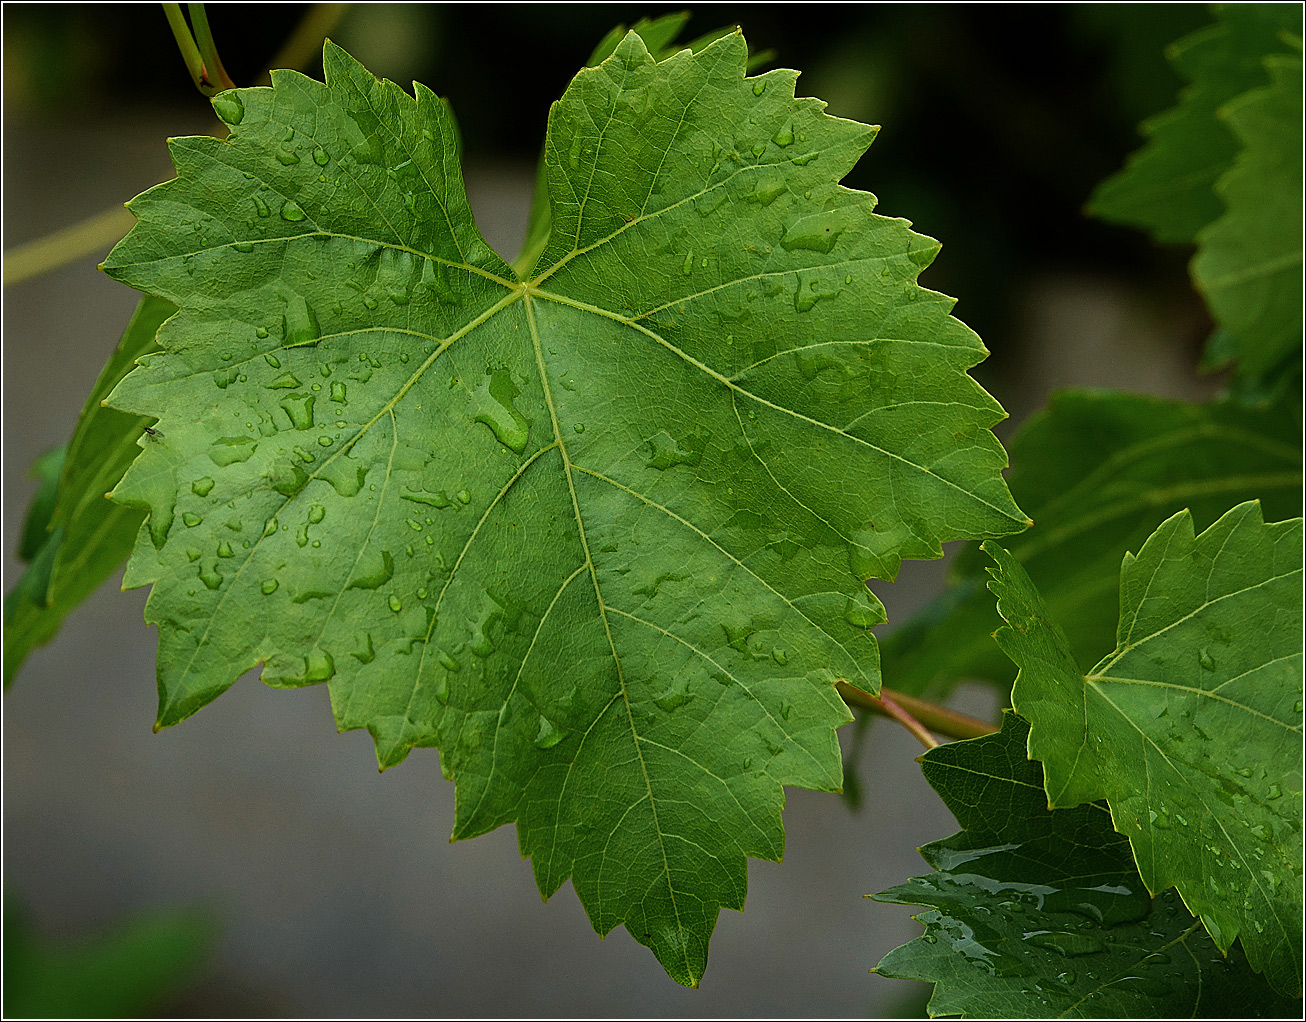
column 127, row 973
column 1166, row 186
column 1249, row 261
column 1191, row 730
column 73, row 537
column 1039, row 913
column 1098, row 472
column 601, row 534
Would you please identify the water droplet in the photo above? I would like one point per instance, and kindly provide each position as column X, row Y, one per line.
column 784, row 137
column 1066, row 943
column 573, row 157
column 291, row 211
column 229, row 106
column 261, row 332
column 786, row 709
column 224, row 550
column 688, row 265
column 299, row 324
column 201, row 487
column 320, row 157
column 802, row 161
column 192, row 554
column 464, row 496
column 273, row 361
column 415, row 526
column 395, row 604
column 374, row 569
column 492, row 404
column 779, row 656
column 860, row 612
column 813, row 234
column 191, row 519
column 301, row 413
column 269, row 586
column 579, row 427
column 243, row 246
column 759, row 87
column 287, row 159
column 674, row 697
column 549, row 734
column 1274, row 792
column 1206, row 660
column 211, row 577
column 261, row 207
column 768, row 187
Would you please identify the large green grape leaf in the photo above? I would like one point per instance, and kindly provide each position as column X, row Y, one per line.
column 1098, row 472
column 600, row 534
column 1249, row 261
column 1038, row 913
column 1166, row 186
column 73, row 538
column 1191, row 729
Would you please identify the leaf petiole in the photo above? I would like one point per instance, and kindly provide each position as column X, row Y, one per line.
column 916, row 715
column 198, row 50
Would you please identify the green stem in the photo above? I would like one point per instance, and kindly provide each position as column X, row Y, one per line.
column 217, row 79
column 190, row 53
column 916, row 714
column 99, row 233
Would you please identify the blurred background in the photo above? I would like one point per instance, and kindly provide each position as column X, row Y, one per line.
column 331, row 890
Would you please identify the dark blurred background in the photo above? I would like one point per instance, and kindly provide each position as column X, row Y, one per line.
column 335, row 887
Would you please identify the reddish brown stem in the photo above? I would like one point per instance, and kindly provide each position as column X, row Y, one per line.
column 917, row 715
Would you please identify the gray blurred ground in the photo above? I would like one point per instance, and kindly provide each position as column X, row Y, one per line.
column 337, row 888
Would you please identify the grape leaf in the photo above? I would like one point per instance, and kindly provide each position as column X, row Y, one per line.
column 1098, row 472
column 1249, row 261
column 1191, row 730
column 1039, row 913
column 73, row 538
column 600, row 534
column 1166, row 186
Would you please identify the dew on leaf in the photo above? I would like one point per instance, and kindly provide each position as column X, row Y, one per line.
column 243, row 246
column 229, row 106
column 286, row 381
column 191, row 519
column 548, row 734
column 201, row 486
column 269, row 586
column 374, row 569
column 290, row 209
column 261, row 207
column 395, row 604
column 492, row 404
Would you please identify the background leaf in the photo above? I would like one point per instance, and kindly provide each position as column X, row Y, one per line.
column 1098, row 472
column 123, row 974
column 1191, row 730
column 1166, row 187
column 73, row 538
column 1041, row 913
column 1249, row 261
column 600, row 535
